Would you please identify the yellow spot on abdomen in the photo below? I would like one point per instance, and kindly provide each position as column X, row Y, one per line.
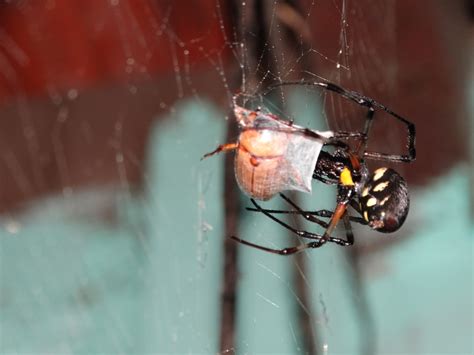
column 371, row 202
column 384, row 200
column 379, row 173
column 381, row 186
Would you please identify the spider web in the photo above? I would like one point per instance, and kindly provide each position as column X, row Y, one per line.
column 135, row 263
column 347, row 53
column 304, row 306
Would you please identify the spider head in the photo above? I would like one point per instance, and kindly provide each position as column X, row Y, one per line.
column 384, row 200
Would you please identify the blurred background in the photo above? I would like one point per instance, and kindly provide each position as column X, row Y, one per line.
column 113, row 233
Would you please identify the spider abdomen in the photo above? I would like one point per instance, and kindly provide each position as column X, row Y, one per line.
column 384, row 201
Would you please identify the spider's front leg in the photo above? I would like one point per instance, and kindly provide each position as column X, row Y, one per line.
column 338, row 214
column 221, row 148
column 284, row 251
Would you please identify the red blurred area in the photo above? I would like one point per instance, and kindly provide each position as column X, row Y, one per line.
column 82, row 81
column 63, row 44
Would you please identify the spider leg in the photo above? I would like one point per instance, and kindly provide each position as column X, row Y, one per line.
column 319, row 213
column 306, row 216
column 348, row 227
column 299, row 233
column 368, row 124
column 395, row 158
column 346, row 135
column 411, row 156
column 372, row 105
column 222, row 148
column 329, row 214
column 339, row 213
column 284, row 251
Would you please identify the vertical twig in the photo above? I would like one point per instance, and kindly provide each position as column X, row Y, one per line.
column 305, row 315
column 229, row 282
column 230, row 274
column 367, row 336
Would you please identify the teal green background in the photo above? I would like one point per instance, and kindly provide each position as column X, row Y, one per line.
column 149, row 280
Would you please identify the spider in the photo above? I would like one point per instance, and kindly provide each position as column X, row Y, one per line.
column 274, row 155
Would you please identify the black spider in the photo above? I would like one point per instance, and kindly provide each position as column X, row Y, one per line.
column 262, row 170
